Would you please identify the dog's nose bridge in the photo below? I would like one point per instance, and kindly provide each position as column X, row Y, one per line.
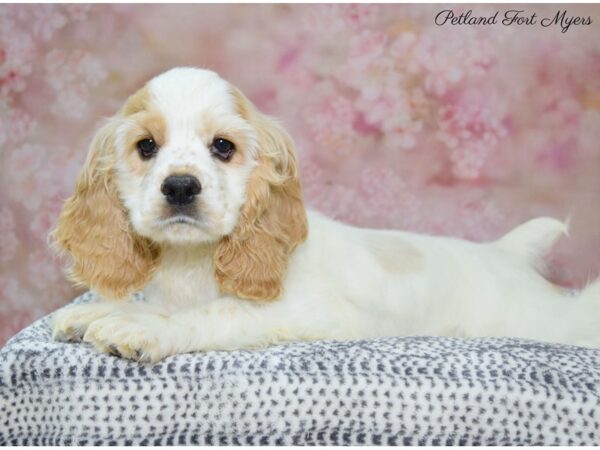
column 184, row 158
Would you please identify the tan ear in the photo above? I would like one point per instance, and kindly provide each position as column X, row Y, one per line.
column 251, row 262
column 93, row 227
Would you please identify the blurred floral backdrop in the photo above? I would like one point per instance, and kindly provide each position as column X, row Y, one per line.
column 454, row 130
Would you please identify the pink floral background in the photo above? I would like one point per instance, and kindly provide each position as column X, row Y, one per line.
column 452, row 130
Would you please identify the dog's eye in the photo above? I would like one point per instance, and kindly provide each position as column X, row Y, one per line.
column 222, row 149
column 147, row 148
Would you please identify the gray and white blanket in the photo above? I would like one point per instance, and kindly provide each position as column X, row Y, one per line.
column 392, row 391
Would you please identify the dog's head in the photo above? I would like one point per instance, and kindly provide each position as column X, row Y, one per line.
column 188, row 160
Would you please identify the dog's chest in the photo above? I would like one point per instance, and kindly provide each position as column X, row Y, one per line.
column 183, row 279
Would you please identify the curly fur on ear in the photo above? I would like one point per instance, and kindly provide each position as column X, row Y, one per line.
column 93, row 227
column 251, row 262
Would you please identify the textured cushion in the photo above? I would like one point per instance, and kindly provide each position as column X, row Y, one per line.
column 411, row 390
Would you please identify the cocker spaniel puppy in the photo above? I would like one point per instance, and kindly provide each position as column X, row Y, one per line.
column 192, row 196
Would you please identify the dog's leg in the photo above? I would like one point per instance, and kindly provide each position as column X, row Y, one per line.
column 224, row 324
column 70, row 323
column 536, row 310
column 586, row 329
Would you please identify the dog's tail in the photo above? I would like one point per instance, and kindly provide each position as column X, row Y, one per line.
column 575, row 315
column 534, row 239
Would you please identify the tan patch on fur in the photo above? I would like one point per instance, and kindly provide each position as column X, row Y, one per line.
column 251, row 262
column 241, row 144
column 135, row 164
column 395, row 255
column 212, row 127
column 148, row 125
column 94, row 229
column 137, row 102
column 155, row 125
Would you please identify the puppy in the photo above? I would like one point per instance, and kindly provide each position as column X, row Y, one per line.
column 192, row 196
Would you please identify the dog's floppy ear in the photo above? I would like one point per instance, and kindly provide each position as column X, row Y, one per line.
column 251, row 262
column 94, row 228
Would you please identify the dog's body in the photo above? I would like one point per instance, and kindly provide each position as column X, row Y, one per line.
column 239, row 264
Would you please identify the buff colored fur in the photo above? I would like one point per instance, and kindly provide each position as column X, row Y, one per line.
column 251, row 262
column 94, row 229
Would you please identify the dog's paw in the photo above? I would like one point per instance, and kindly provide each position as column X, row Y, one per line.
column 140, row 337
column 69, row 324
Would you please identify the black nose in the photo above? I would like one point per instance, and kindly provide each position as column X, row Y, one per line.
column 180, row 189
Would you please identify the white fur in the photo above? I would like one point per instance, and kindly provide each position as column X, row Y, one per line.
column 342, row 282
column 187, row 98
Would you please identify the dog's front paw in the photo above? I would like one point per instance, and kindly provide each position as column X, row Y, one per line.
column 69, row 324
column 140, row 337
